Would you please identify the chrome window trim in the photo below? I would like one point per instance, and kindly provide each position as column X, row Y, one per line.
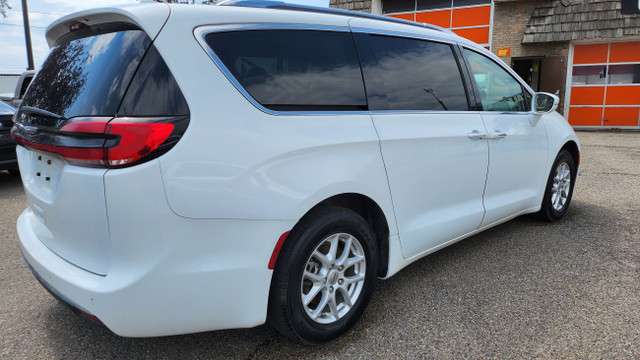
column 201, row 32
column 404, row 35
column 443, row 112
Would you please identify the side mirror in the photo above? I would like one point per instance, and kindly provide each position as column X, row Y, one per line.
column 544, row 103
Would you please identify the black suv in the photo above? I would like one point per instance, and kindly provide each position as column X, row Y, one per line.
column 7, row 145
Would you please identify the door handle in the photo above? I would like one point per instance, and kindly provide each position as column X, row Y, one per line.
column 475, row 134
column 496, row 135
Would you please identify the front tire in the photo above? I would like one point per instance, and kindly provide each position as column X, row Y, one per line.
column 557, row 195
column 324, row 277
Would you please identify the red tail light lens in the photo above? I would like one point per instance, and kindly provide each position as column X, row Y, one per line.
column 97, row 127
column 104, row 142
column 136, row 141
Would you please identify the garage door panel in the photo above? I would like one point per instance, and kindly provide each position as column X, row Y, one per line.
column 591, row 116
column 470, row 19
column 403, row 16
column 475, row 16
column 439, row 18
column 477, row 35
column 593, row 95
column 625, row 52
column 622, row 116
column 623, row 95
column 590, row 54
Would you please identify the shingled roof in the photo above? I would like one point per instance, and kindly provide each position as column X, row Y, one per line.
column 564, row 20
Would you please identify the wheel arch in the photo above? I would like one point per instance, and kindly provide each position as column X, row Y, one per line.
column 573, row 149
column 372, row 214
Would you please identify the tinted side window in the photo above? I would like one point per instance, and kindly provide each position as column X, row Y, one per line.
column 153, row 90
column 294, row 69
column 499, row 91
column 419, row 74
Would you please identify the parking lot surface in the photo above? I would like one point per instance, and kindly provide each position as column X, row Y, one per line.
column 524, row 289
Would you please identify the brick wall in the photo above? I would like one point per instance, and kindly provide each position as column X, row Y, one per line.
column 362, row 6
column 509, row 21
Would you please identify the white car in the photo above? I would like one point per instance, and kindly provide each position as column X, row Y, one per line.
column 193, row 168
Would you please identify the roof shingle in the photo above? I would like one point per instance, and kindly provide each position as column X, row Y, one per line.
column 565, row 20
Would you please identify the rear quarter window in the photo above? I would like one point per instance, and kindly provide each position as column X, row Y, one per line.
column 293, row 70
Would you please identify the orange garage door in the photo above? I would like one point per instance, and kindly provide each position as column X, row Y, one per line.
column 605, row 85
column 470, row 19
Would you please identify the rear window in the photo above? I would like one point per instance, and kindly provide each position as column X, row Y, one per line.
column 88, row 76
column 293, row 70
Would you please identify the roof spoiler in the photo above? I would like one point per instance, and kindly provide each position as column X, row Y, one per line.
column 118, row 14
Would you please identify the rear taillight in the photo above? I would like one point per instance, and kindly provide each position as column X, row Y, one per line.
column 137, row 140
column 150, row 119
column 108, row 143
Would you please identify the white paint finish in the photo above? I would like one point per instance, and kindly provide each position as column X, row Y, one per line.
column 179, row 293
column 170, row 275
column 187, row 228
column 517, row 165
column 261, row 166
column 396, row 264
column 269, row 167
column 396, row 259
column 436, row 174
column 191, row 268
column 559, row 132
column 235, row 161
column 150, row 17
column 68, row 210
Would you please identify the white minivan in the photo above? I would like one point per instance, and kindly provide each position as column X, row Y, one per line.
column 193, row 168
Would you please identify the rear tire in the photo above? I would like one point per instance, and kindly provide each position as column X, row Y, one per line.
column 557, row 195
column 324, row 277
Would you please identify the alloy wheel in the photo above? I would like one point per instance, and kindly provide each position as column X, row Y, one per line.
column 333, row 278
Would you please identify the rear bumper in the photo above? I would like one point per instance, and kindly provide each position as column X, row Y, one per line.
column 218, row 282
column 60, row 297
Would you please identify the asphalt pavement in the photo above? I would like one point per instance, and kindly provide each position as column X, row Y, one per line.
column 523, row 290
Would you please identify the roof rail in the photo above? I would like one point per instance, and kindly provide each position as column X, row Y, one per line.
column 273, row 4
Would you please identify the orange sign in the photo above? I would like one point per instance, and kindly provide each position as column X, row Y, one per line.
column 506, row 51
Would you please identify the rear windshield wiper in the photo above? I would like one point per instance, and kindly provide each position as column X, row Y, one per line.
column 35, row 110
